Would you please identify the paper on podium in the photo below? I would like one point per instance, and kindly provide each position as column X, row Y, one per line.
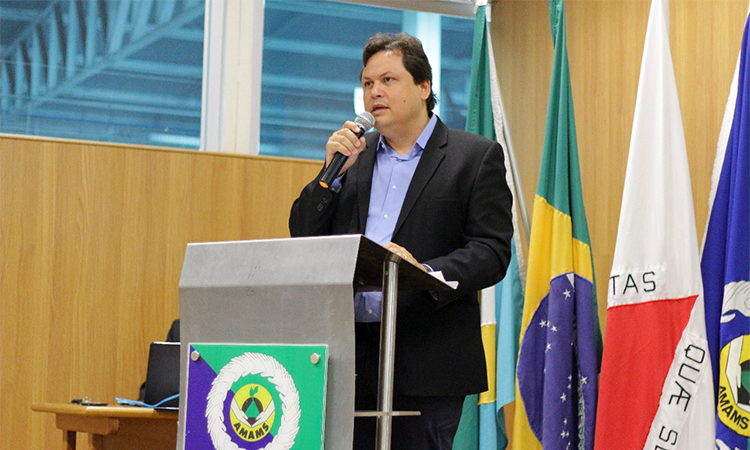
column 439, row 275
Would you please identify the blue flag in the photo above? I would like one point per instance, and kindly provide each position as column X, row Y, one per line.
column 726, row 274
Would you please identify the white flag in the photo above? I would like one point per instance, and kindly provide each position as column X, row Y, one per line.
column 656, row 386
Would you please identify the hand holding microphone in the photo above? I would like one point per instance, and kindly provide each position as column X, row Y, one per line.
column 344, row 143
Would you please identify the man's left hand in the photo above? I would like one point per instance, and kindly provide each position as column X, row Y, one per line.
column 404, row 254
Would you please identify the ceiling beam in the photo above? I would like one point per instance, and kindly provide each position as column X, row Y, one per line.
column 186, row 34
column 171, row 70
column 308, row 84
column 338, row 10
column 137, row 98
column 63, row 106
column 104, row 61
column 285, row 45
column 458, row 8
column 17, row 14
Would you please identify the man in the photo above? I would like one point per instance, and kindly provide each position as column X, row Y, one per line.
column 438, row 198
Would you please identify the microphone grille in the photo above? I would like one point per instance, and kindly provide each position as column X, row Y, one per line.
column 365, row 120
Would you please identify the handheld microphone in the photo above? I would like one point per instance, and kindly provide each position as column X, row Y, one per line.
column 365, row 122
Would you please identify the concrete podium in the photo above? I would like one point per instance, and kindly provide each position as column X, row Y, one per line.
column 298, row 291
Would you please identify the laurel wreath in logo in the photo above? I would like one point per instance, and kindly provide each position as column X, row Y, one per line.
column 267, row 367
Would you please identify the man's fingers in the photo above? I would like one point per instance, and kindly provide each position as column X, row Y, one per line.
column 346, row 142
column 403, row 254
column 397, row 249
column 339, row 145
column 352, row 126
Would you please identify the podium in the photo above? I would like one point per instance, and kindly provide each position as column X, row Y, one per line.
column 295, row 292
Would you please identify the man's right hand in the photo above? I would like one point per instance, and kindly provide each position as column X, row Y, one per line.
column 345, row 141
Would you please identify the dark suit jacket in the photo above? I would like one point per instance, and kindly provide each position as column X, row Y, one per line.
column 456, row 218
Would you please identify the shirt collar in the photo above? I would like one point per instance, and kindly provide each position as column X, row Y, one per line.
column 419, row 145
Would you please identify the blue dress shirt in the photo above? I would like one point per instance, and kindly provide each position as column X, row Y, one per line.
column 390, row 181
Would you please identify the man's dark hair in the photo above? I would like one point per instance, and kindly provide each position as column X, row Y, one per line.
column 411, row 51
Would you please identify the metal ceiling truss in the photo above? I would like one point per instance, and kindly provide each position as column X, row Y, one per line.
column 44, row 71
column 74, row 40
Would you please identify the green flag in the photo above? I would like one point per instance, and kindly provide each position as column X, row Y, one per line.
column 482, row 423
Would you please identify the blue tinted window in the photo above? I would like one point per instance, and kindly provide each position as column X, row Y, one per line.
column 312, row 59
column 118, row 71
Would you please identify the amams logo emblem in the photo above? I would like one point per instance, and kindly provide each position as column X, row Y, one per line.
column 252, row 410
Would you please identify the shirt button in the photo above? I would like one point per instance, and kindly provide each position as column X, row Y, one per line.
column 393, row 187
column 385, row 216
column 369, row 311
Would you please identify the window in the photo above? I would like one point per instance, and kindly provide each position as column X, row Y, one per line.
column 132, row 71
column 312, row 57
column 117, row 70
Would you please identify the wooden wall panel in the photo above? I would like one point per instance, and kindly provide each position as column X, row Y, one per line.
column 92, row 239
column 705, row 38
column 605, row 45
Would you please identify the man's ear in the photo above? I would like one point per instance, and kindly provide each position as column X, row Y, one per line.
column 425, row 88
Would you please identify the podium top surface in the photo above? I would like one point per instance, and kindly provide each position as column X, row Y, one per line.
column 369, row 271
column 325, row 260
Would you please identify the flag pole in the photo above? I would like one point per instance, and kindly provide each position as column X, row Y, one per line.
column 503, row 132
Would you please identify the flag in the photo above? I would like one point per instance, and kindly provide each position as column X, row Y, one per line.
column 656, row 383
column 557, row 365
column 726, row 265
column 482, row 422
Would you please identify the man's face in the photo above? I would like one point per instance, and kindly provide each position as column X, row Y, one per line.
column 391, row 95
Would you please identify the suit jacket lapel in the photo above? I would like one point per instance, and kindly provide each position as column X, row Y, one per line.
column 431, row 158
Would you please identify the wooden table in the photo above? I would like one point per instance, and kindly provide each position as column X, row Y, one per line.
column 114, row 427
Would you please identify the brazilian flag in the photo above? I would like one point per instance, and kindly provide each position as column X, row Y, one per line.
column 556, row 386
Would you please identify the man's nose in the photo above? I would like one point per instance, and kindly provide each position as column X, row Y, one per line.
column 376, row 90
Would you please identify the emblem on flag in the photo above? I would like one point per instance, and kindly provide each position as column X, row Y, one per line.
column 734, row 386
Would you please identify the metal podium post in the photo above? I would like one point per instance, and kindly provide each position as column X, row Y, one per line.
column 387, row 345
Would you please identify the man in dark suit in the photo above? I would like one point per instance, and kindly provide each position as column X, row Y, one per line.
column 438, row 198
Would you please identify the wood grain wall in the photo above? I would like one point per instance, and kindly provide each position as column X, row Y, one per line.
column 92, row 238
column 605, row 45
